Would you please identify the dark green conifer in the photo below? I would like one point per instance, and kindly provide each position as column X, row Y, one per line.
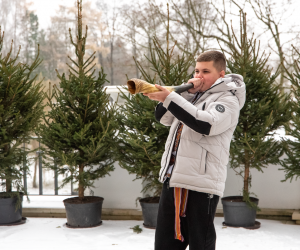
column 80, row 127
column 141, row 138
column 266, row 110
column 21, row 109
column 291, row 164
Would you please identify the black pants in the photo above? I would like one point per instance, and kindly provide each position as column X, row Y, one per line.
column 197, row 228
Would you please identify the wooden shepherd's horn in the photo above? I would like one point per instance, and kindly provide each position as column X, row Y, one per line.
column 136, row 86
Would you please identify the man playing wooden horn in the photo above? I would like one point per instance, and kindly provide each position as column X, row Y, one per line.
column 193, row 167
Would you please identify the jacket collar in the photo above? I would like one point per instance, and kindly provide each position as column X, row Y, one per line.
column 233, row 83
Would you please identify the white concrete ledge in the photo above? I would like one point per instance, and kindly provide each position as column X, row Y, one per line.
column 296, row 216
column 107, row 213
column 136, row 214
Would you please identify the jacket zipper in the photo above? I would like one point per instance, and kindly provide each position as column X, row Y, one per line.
column 169, row 152
column 168, row 185
column 205, row 161
column 207, row 90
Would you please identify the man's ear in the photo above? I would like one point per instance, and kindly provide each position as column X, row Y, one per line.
column 222, row 73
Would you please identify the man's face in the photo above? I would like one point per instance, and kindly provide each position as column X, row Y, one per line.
column 208, row 73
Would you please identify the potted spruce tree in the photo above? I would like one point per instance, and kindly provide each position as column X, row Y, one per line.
column 79, row 131
column 21, row 108
column 265, row 111
column 141, row 138
column 290, row 164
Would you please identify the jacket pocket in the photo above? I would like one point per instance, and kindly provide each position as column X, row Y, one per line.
column 203, row 161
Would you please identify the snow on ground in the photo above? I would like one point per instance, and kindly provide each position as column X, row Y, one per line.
column 43, row 201
column 51, row 234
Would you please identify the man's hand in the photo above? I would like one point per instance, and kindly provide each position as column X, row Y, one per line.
column 158, row 96
column 198, row 85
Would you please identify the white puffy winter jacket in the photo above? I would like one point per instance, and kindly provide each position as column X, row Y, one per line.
column 203, row 152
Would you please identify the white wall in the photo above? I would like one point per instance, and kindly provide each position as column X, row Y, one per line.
column 119, row 190
column 271, row 192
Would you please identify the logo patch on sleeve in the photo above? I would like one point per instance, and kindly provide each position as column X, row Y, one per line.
column 220, row 108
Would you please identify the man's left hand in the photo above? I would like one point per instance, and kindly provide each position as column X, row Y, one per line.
column 158, row 96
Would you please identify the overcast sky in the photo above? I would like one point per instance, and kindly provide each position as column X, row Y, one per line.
column 47, row 8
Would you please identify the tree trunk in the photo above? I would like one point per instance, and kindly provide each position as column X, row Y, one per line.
column 149, row 53
column 100, row 59
column 34, row 185
column 135, row 56
column 15, row 28
column 8, row 186
column 134, row 48
column 111, row 63
column 282, row 70
column 8, row 182
column 80, row 184
column 246, row 176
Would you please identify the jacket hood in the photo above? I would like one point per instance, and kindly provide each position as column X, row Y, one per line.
column 233, row 83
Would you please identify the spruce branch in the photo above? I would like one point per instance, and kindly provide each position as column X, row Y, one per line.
column 90, row 68
column 71, row 38
column 90, row 58
column 72, row 68
column 73, row 61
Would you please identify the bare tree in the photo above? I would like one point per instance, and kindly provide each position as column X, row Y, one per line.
column 265, row 12
column 140, row 23
column 6, row 10
column 112, row 36
column 203, row 24
column 13, row 15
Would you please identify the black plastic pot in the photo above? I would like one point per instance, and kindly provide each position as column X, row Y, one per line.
column 237, row 213
column 150, row 212
column 8, row 212
column 84, row 214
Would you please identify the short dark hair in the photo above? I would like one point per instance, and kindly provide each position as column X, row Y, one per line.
column 217, row 57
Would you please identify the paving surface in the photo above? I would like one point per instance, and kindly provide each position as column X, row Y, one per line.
column 51, row 234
